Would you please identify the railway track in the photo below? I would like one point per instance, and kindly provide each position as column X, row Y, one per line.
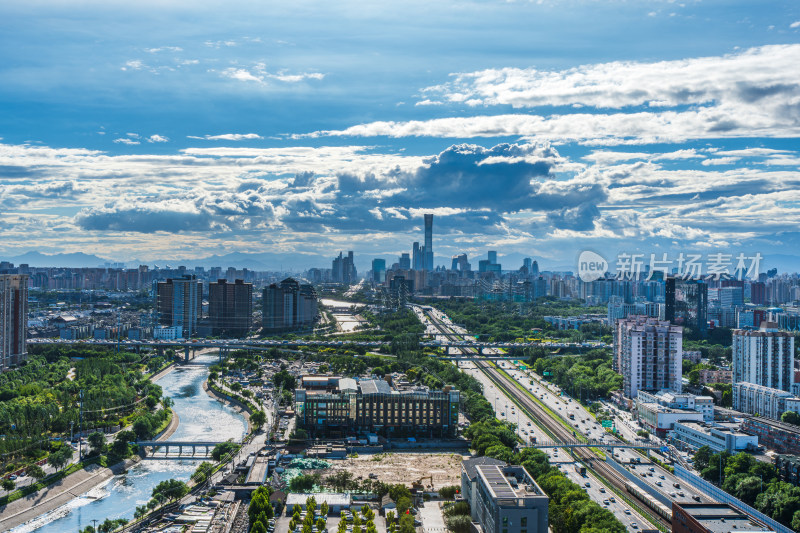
column 606, row 473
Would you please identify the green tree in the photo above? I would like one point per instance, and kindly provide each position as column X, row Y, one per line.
column 97, row 440
column 8, row 485
column 701, row 458
column 36, row 472
column 222, row 449
column 59, row 458
column 171, row 489
column 791, row 417
column 258, row 418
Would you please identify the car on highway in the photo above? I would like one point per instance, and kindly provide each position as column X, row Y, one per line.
column 627, row 511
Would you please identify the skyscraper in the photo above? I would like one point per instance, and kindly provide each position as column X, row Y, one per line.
column 13, row 319
column 343, row 269
column 492, row 257
column 648, row 353
column 428, row 241
column 764, row 357
column 405, row 261
column 230, row 307
column 417, row 259
column 179, row 303
column 686, row 303
column 379, row 270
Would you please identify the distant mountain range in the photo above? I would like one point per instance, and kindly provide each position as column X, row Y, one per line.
column 299, row 262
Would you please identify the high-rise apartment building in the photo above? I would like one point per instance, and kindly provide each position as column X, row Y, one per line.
column 179, row 303
column 764, row 357
column 428, row 241
column 230, row 307
column 648, row 353
column 758, row 293
column 13, row 319
column 289, row 305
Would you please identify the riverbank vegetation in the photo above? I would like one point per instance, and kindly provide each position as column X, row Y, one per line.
column 61, row 390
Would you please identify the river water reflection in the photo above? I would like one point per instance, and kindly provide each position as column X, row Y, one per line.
column 201, row 418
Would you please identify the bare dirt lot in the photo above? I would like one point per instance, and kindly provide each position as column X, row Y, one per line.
column 405, row 467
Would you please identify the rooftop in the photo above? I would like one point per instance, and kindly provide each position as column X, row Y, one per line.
column 722, row 518
column 508, row 483
column 332, row 498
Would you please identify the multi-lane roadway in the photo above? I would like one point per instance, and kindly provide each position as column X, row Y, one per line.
column 582, row 422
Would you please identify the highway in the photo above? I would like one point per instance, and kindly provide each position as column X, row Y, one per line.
column 516, row 407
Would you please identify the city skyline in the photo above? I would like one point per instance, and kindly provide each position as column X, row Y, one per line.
column 249, row 130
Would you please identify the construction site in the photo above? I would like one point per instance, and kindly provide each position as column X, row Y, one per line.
column 430, row 470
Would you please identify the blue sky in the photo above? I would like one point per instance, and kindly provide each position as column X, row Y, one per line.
column 176, row 130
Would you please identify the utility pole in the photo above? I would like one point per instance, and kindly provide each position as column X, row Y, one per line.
column 80, row 427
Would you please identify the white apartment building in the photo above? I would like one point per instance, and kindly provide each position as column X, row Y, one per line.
column 764, row 401
column 648, row 353
column 764, row 357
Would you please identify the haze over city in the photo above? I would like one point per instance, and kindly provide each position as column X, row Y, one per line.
column 152, row 132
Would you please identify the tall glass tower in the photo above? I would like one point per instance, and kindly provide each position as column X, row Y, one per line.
column 429, row 241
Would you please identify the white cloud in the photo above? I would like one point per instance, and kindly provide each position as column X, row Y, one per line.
column 157, row 139
column 241, row 74
column 164, row 49
column 720, row 161
column 795, row 24
column 134, row 64
column 742, row 76
column 591, row 129
column 126, row 140
column 259, row 74
column 228, row 137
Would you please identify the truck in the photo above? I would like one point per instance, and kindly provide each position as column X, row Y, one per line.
column 571, row 416
column 580, row 469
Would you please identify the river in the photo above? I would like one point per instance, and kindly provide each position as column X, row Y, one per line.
column 347, row 322
column 201, row 418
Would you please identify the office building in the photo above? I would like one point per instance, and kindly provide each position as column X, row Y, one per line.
column 693, row 435
column 179, row 303
column 507, row 499
column 289, row 305
column 405, row 262
column 13, row 319
column 764, row 357
column 492, row 256
column 469, row 480
column 428, row 242
column 343, row 269
column 686, row 303
column 373, row 406
column 756, row 399
column 660, row 420
column 417, row 259
column 648, row 353
column 230, row 307
column 674, row 400
column 379, row 270
column 773, row 435
column 713, row 518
